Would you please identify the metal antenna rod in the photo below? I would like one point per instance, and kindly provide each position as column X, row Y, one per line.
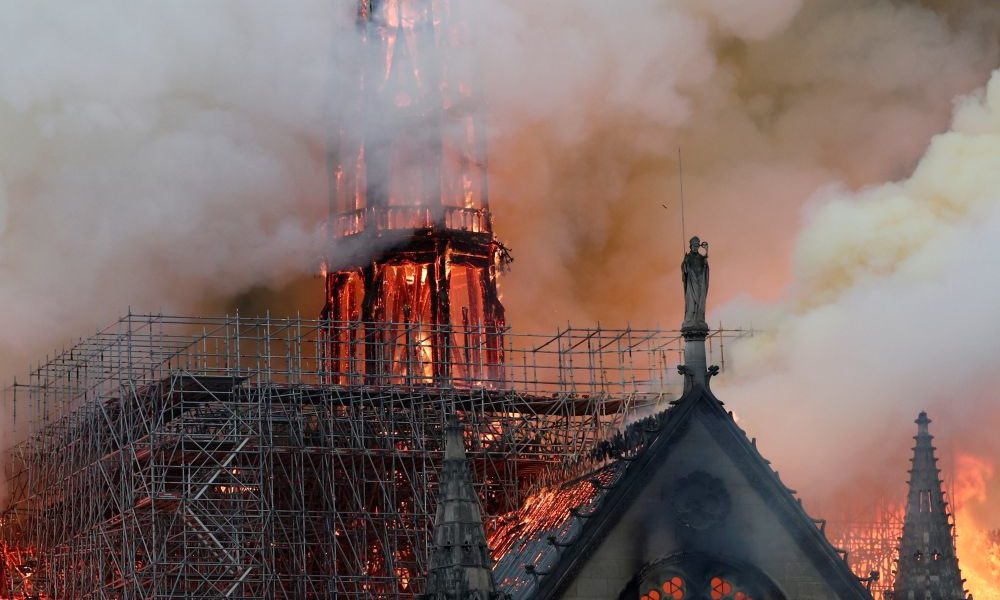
column 680, row 180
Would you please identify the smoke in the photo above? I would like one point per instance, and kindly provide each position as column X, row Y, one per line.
column 766, row 113
column 172, row 157
column 876, row 303
column 892, row 310
column 163, row 156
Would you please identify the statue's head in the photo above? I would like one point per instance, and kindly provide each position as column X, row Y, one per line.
column 695, row 243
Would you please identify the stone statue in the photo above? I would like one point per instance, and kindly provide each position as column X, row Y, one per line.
column 694, row 274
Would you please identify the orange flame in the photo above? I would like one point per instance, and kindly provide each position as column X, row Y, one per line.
column 17, row 568
column 978, row 547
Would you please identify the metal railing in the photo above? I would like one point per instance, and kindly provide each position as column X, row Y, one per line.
column 581, row 362
column 410, row 217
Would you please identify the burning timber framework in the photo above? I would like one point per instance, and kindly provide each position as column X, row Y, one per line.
column 869, row 534
column 203, row 458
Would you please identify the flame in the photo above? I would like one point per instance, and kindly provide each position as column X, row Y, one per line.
column 546, row 509
column 17, row 567
column 872, row 542
column 972, row 473
column 978, row 546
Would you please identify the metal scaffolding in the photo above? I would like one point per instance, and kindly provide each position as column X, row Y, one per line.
column 869, row 534
column 223, row 458
column 869, row 531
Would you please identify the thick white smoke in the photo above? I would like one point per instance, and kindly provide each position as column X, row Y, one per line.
column 162, row 155
column 893, row 300
column 893, row 310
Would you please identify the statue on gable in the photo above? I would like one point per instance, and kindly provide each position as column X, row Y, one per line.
column 694, row 274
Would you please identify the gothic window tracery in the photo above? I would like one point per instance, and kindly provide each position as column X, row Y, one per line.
column 674, row 588
column 695, row 576
column 671, row 589
column 723, row 589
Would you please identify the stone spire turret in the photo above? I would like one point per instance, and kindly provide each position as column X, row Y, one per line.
column 460, row 562
column 928, row 566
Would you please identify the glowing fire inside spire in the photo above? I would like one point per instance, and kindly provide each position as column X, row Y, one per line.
column 427, row 303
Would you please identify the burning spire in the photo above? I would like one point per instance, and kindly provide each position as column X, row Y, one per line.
column 460, row 564
column 408, row 179
column 928, row 564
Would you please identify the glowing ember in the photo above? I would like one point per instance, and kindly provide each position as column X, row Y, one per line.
column 17, row 570
column 529, row 535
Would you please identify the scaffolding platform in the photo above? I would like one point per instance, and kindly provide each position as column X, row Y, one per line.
column 173, row 457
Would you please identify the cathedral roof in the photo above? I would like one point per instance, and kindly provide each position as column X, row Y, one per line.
column 542, row 547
